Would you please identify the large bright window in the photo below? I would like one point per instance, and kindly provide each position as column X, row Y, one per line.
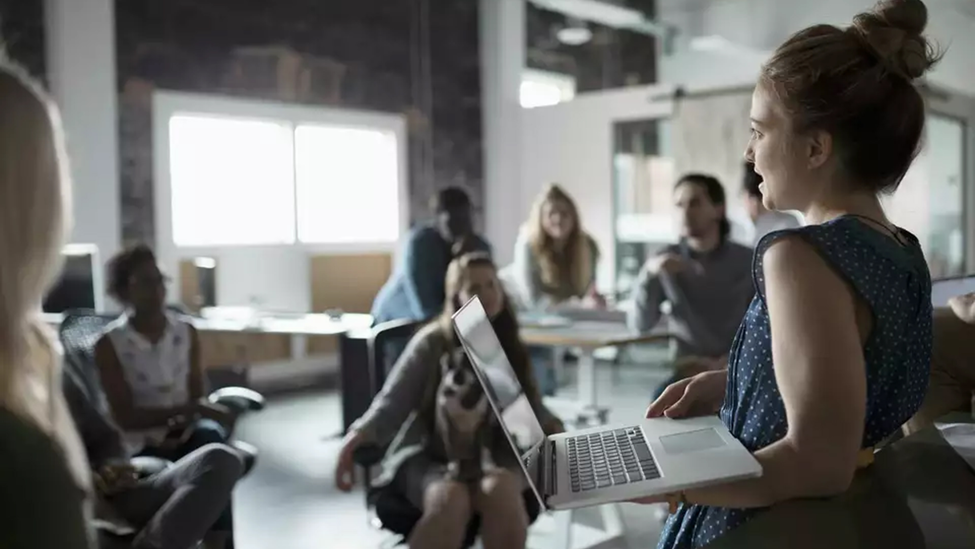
column 232, row 181
column 262, row 180
column 346, row 178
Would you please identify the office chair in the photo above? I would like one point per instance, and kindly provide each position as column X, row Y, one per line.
column 80, row 331
column 389, row 509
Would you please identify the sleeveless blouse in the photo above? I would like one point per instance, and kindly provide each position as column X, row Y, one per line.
column 157, row 374
column 894, row 282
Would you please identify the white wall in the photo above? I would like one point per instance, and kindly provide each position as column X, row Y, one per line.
column 572, row 144
column 80, row 37
column 761, row 25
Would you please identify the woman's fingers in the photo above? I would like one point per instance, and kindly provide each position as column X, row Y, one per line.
column 344, row 476
column 671, row 394
column 682, row 407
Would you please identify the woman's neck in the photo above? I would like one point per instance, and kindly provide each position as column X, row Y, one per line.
column 861, row 204
column 558, row 244
column 147, row 322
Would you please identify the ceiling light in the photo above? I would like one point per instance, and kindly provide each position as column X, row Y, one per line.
column 718, row 44
column 575, row 33
column 603, row 13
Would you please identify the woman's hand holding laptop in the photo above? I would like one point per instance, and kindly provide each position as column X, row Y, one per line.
column 695, row 396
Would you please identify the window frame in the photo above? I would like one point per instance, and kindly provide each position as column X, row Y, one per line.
column 166, row 104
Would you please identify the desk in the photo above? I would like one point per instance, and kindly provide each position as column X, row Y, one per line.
column 919, row 493
column 298, row 327
column 588, row 336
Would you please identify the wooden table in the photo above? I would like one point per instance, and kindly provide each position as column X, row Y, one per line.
column 298, row 327
column 919, row 493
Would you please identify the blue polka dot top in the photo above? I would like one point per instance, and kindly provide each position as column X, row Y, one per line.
column 893, row 280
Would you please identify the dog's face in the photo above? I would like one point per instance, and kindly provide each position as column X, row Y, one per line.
column 458, row 381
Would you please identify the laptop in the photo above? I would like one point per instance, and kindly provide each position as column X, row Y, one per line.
column 602, row 464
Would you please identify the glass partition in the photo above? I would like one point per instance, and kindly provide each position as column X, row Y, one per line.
column 642, row 180
column 930, row 201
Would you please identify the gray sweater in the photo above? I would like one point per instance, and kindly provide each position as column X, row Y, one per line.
column 706, row 306
column 394, row 416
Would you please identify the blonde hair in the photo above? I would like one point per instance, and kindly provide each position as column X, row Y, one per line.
column 34, row 204
column 576, row 263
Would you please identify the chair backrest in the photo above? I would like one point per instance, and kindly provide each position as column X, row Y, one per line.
column 79, row 332
column 386, row 344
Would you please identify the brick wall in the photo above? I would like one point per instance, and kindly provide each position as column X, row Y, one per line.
column 417, row 57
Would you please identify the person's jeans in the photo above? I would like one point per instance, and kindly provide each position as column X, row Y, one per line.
column 204, row 431
column 175, row 508
column 541, row 358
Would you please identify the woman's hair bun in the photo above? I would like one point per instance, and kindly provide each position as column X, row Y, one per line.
column 893, row 32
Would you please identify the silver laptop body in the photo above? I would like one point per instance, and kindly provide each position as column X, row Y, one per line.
column 603, row 464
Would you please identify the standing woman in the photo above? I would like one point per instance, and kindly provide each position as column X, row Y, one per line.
column 43, row 471
column 834, row 352
column 555, row 259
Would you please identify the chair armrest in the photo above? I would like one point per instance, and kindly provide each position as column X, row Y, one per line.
column 238, row 399
column 368, row 455
column 146, row 466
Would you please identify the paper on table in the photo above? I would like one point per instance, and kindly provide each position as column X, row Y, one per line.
column 961, row 437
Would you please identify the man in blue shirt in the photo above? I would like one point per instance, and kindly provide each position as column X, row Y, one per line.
column 415, row 290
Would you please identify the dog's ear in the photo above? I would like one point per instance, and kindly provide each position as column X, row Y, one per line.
column 446, row 364
column 460, row 359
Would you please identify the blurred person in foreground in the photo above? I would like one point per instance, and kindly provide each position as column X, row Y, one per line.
column 43, row 471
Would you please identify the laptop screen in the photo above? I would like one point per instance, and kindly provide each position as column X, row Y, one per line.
column 504, row 391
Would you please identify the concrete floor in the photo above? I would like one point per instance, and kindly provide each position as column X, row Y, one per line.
column 289, row 501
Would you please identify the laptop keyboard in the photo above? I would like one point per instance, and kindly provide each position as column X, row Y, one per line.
column 609, row 458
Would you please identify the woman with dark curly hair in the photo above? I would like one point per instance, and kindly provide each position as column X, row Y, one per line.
column 150, row 366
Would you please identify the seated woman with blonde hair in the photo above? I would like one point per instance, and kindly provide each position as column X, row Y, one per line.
column 555, row 259
column 403, row 412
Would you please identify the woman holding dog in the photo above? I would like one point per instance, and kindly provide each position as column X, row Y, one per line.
column 404, row 412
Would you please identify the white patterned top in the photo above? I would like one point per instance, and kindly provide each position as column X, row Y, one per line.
column 158, row 374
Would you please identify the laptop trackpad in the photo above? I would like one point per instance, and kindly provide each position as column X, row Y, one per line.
column 693, row 441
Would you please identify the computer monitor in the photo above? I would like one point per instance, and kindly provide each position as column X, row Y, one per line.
column 79, row 286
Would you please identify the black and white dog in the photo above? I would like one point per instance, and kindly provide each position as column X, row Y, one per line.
column 463, row 420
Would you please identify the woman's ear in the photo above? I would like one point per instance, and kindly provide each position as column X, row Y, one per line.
column 819, row 148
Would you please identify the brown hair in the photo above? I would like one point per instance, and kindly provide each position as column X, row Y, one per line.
column 505, row 326
column 575, row 265
column 857, row 84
